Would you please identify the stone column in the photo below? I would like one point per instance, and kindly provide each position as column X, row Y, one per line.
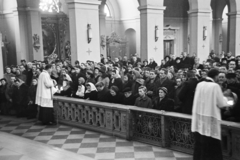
column 198, row 19
column 151, row 16
column 217, row 35
column 102, row 17
column 82, row 13
column 234, row 33
column 1, row 58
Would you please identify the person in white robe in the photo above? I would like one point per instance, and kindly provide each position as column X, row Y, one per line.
column 44, row 96
column 206, row 118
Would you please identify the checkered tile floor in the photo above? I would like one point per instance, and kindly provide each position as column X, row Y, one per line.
column 91, row 144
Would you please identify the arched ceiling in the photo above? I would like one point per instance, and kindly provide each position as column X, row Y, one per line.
column 123, row 9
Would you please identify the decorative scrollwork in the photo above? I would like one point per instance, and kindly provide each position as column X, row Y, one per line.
column 92, row 116
column 180, row 133
column 147, row 127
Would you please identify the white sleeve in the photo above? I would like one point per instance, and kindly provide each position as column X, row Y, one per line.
column 221, row 101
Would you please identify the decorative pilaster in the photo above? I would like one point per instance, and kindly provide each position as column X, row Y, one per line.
column 82, row 13
column 1, row 57
column 151, row 20
column 217, row 37
column 234, row 33
column 102, row 17
column 199, row 33
column 30, row 28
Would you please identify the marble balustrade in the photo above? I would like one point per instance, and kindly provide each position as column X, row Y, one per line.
column 164, row 129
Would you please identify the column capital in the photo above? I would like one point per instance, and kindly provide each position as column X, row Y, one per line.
column 149, row 7
column 87, row 2
column 233, row 14
column 195, row 11
column 22, row 9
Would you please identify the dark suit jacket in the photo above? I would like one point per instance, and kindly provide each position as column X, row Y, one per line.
column 186, row 95
column 165, row 104
column 167, row 84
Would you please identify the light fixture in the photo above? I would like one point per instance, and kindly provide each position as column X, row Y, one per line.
column 156, row 33
column 204, row 33
column 89, row 33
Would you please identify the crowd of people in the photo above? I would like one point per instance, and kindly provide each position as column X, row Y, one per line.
column 169, row 86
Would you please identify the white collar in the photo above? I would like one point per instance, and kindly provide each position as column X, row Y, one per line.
column 208, row 78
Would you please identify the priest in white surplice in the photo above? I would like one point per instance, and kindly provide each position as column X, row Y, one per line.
column 206, row 118
column 44, row 96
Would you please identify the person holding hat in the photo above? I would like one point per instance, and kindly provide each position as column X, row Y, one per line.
column 128, row 99
column 162, row 102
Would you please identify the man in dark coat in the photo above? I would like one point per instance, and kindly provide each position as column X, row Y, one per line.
column 152, row 64
column 186, row 94
column 20, row 97
column 75, row 78
column 29, row 74
column 186, row 61
column 165, row 82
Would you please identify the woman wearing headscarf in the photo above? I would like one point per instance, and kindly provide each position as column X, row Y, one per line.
column 162, row 102
column 91, row 92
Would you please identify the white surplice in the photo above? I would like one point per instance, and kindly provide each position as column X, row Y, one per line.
column 206, row 115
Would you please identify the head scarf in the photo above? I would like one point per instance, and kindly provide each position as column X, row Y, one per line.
column 93, row 88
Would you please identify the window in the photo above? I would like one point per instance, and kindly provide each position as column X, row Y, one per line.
column 107, row 11
column 50, row 5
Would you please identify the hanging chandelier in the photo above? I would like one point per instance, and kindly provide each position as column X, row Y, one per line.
column 50, row 5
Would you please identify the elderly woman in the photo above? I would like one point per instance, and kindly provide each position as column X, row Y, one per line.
column 163, row 102
column 91, row 92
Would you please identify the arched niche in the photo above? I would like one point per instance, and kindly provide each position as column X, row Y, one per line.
column 131, row 42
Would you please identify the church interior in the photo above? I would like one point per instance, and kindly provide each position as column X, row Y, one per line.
column 48, row 30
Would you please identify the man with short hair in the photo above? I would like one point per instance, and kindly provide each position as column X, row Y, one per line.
column 186, row 94
column 151, row 83
column 20, row 98
column 8, row 74
column 165, row 82
column 206, row 119
column 44, row 96
column 29, row 74
column 232, row 65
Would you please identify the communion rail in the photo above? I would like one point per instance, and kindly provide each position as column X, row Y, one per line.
column 163, row 129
